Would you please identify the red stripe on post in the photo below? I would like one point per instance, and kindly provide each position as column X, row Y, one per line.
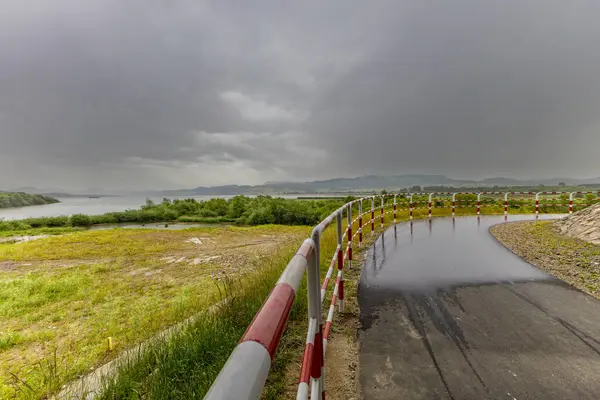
column 360, row 230
column 307, row 363
column 327, row 329
column 318, row 354
column 372, row 220
column 268, row 324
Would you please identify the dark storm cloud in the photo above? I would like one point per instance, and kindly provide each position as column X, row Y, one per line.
column 153, row 93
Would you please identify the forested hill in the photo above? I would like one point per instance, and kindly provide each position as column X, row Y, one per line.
column 20, row 199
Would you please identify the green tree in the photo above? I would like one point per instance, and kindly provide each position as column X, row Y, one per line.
column 219, row 206
column 80, row 220
column 237, row 206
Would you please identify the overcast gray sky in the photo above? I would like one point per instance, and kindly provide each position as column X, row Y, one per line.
column 143, row 94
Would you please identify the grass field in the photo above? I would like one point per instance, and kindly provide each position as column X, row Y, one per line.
column 61, row 297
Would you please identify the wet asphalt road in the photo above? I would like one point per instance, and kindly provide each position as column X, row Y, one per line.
column 448, row 313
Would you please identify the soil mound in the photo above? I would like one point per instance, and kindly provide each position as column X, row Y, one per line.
column 584, row 224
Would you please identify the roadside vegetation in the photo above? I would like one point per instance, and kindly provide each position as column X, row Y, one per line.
column 263, row 210
column 572, row 260
column 20, row 199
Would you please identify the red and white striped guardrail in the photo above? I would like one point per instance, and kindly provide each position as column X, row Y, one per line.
column 246, row 370
column 249, row 363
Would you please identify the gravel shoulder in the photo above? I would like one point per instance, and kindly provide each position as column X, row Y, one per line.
column 543, row 245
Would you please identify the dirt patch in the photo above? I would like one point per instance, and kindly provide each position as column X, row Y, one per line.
column 341, row 365
column 22, row 239
column 7, row 266
column 543, row 245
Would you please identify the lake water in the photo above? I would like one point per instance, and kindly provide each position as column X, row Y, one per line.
column 80, row 205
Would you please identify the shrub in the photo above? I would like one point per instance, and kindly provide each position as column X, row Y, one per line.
column 80, row 220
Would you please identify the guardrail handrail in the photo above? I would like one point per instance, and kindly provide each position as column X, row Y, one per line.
column 244, row 374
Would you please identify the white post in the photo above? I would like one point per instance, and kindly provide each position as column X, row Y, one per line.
column 429, row 201
column 313, row 283
column 571, row 202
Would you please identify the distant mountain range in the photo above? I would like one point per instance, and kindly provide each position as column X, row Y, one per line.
column 368, row 183
column 57, row 192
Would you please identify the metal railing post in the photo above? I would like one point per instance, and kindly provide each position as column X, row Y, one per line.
column 349, row 212
column 395, row 220
column 340, row 260
column 453, row 204
column 571, row 202
column 360, row 213
column 478, row 204
column 429, row 202
column 314, row 309
column 410, row 207
column 382, row 212
column 373, row 215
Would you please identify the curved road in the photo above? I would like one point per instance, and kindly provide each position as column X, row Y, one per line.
column 448, row 313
